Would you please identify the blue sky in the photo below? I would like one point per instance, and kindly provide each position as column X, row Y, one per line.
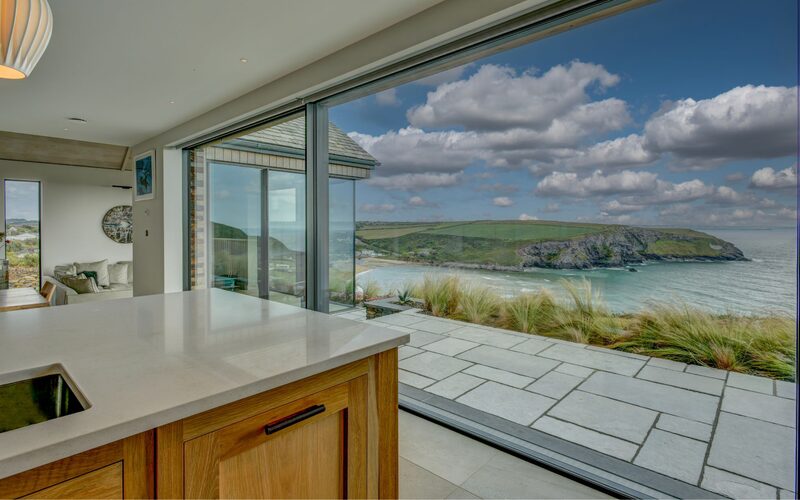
column 682, row 113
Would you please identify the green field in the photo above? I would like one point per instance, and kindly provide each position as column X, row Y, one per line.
column 495, row 230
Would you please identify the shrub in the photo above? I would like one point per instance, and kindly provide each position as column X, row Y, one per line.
column 478, row 305
column 441, row 294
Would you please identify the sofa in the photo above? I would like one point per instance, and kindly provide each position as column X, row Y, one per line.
column 118, row 287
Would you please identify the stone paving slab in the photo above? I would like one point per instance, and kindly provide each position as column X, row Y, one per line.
column 433, row 365
column 684, row 427
column 735, row 486
column 588, row 438
column 683, row 380
column 399, row 320
column 761, row 406
column 517, row 362
column 501, row 376
column 555, row 384
column 532, row 346
column 570, row 369
column 455, row 385
column 605, row 415
column 672, row 455
column 434, row 326
column 486, row 337
column 406, row 351
column 759, row 450
column 512, row 404
column 419, row 339
column 655, row 396
column 750, row 382
column 414, row 380
column 785, row 389
column 667, row 363
column 450, row 346
column 707, row 372
column 593, row 359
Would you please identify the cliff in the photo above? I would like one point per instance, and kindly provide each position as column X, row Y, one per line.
column 625, row 245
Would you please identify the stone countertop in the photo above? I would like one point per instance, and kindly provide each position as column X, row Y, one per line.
column 146, row 361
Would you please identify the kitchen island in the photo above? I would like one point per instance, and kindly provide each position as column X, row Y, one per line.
column 203, row 394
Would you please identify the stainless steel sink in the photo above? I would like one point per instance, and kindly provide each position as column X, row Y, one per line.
column 37, row 395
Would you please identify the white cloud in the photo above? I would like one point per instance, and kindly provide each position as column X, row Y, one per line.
column 497, row 98
column 524, row 216
column 668, row 192
column 735, row 177
column 502, row 201
column 744, row 122
column 787, row 213
column 768, row 178
column 418, row 201
column 415, row 182
column 621, row 152
column 615, row 207
column 388, row 97
column 377, row 208
column 411, row 150
column 568, row 183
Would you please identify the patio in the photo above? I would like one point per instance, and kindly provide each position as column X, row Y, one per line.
column 723, row 432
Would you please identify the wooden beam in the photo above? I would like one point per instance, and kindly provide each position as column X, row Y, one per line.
column 56, row 151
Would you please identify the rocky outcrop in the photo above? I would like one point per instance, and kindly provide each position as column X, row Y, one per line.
column 626, row 245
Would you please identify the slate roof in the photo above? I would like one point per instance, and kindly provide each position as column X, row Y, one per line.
column 291, row 134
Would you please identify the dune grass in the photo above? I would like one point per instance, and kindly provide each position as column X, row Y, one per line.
column 759, row 345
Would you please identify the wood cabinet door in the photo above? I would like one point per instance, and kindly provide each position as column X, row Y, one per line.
column 100, row 483
column 314, row 447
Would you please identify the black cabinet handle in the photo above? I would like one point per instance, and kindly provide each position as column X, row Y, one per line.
column 292, row 419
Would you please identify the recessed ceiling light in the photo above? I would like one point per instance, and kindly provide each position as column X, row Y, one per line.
column 75, row 119
column 65, row 129
column 172, row 102
column 244, row 60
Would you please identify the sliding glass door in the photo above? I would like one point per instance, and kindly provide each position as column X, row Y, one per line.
column 247, row 213
column 22, row 233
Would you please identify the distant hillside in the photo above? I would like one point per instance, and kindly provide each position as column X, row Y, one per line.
column 276, row 248
column 546, row 244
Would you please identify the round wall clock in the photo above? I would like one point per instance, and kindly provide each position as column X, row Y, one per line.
column 118, row 224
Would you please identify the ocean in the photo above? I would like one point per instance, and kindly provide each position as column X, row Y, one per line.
column 765, row 284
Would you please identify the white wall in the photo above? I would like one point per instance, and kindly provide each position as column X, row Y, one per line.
column 74, row 200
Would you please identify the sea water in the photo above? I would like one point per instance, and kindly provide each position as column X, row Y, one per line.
column 764, row 284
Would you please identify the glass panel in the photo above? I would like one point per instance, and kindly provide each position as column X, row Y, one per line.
column 287, row 236
column 22, row 238
column 342, row 243
column 235, row 218
column 247, row 212
column 626, row 201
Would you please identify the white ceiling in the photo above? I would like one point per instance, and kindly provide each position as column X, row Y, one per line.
column 119, row 63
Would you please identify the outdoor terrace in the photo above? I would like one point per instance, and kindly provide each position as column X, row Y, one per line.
column 684, row 430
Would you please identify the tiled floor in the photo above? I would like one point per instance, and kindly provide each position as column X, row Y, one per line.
column 729, row 433
column 436, row 462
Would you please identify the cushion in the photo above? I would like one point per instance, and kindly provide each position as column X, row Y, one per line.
column 118, row 273
column 68, row 270
column 100, row 267
column 80, row 284
column 130, row 269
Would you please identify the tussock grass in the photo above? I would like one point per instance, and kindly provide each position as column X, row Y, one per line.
column 478, row 305
column 763, row 345
column 372, row 290
column 441, row 294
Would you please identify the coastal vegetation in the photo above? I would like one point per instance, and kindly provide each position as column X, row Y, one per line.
column 517, row 245
column 759, row 345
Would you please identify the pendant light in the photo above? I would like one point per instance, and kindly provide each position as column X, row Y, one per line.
column 25, row 29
